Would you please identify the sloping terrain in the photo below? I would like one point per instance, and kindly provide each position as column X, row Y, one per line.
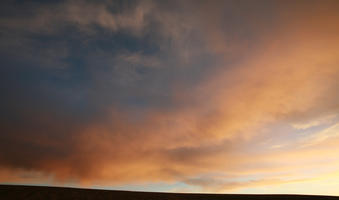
column 36, row 192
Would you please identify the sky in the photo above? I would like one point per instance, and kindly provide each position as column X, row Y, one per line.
column 172, row 96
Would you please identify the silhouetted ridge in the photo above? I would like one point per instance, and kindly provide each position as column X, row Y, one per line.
column 39, row 192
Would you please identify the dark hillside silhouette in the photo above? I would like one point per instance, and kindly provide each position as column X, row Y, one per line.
column 9, row 192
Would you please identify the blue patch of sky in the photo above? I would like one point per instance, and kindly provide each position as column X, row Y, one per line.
column 154, row 187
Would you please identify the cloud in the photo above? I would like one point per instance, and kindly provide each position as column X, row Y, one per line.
column 220, row 186
column 150, row 92
column 315, row 122
column 109, row 15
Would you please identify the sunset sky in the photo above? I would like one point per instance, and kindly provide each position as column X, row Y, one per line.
column 176, row 96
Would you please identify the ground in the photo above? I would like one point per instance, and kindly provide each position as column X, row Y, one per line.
column 37, row 192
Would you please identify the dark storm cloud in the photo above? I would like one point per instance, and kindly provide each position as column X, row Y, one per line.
column 67, row 65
